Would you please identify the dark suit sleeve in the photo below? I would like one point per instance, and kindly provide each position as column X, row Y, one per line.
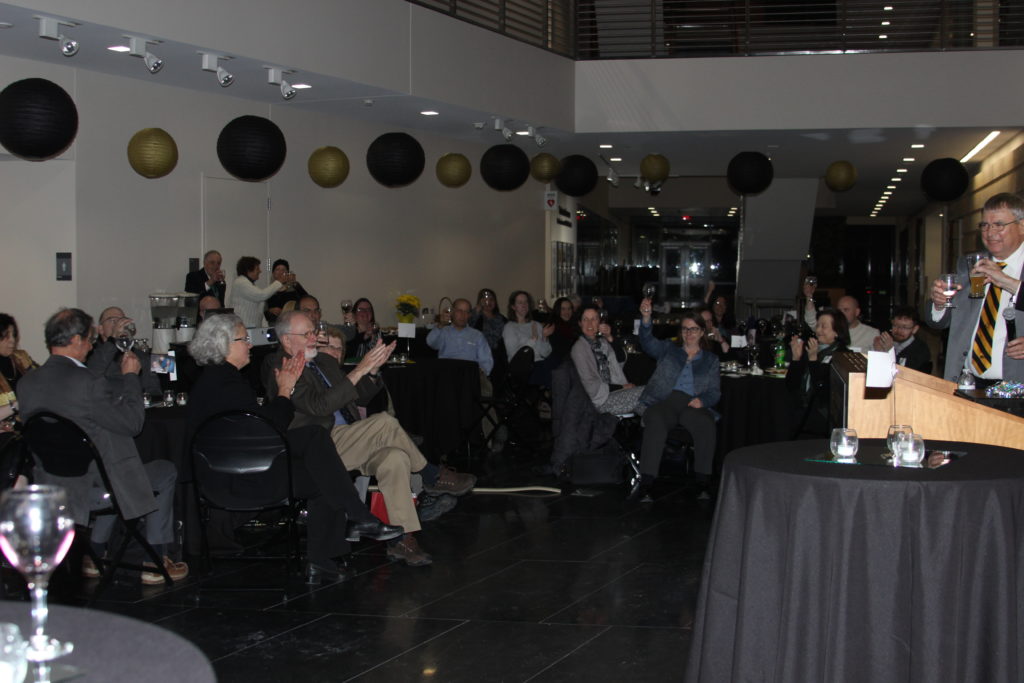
column 194, row 282
column 101, row 357
column 117, row 404
column 368, row 387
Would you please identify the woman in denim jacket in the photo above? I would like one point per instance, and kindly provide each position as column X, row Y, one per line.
column 682, row 391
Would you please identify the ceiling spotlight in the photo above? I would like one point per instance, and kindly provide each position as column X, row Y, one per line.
column 612, row 177
column 137, row 48
column 49, row 28
column 210, row 63
column 540, row 140
column 275, row 76
column 506, row 133
column 638, row 183
column 655, row 189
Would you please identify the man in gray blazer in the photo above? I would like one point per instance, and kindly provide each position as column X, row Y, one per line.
column 109, row 409
column 987, row 354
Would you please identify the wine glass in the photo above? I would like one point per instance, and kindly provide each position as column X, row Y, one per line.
column 346, row 307
column 843, row 444
column 649, row 291
column 949, row 288
column 36, row 531
column 892, row 438
column 125, row 339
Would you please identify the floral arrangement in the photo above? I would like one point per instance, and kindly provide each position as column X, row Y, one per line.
column 407, row 306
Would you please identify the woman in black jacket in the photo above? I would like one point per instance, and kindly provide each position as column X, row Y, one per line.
column 808, row 375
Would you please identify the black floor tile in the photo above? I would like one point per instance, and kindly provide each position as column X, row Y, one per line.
column 623, row 653
column 330, row 648
column 221, row 632
column 485, row 651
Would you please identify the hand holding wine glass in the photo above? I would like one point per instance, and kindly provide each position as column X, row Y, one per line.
column 949, row 288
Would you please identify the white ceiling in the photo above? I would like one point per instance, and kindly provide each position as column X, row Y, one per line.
column 795, row 153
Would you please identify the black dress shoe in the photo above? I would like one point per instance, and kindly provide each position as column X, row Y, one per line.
column 335, row 572
column 373, row 529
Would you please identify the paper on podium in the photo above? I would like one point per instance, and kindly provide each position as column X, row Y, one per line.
column 881, row 368
column 407, row 330
column 739, row 341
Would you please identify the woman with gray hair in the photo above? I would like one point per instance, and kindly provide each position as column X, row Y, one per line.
column 221, row 345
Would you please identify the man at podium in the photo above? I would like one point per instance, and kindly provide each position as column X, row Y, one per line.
column 979, row 341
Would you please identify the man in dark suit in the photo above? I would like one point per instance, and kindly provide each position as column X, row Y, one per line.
column 209, row 279
column 105, row 357
column 109, row 409
column 977, row 332
column 911, row 352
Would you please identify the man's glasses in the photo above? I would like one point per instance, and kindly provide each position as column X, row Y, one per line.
column 247, row 339
column 308, row 335
column 997, row 226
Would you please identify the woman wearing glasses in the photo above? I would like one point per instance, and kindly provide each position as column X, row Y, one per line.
column 682, row 391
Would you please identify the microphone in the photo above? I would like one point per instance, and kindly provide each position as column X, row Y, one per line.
column 1009, row 316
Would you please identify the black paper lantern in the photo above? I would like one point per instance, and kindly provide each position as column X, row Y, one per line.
column 577, row 177
column 750, row 173
column 395, row 159
column 504, row 167
column 251, row 148
column 38, row 119
column 944, row 180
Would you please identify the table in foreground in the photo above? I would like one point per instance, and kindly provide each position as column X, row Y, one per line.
column 825, row 572
column 110, row 647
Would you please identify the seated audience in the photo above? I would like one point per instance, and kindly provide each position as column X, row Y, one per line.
column 14, row 363
column 910, row 351
column 246, row 297
column 209, row 279
column 222, row 345
column 682, row 391
column 712, row 336
column 523, row 332
column 566, row 330
column 460, row 341
column 376, row 446
column 488, row 319
column 365, row 321
column 109, row 409
column 310, row 305
column 808, row 376
column 290, row 293
column 862, row 335
column 599, row 364
column 105, row 357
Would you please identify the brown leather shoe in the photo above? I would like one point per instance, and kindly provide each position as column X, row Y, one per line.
column 407, row 550
column 452, row 482
column 176, row 570
column 89, row 568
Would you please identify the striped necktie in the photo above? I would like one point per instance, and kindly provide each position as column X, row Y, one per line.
column 981, row 352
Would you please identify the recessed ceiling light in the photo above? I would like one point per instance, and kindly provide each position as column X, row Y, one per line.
column 887, row 8
column 119, row 48
column 917, row 145
column 887, row 192
column 885, row 23
column 890, row 187
column 429, row 112
column 901, row 170
column 522, row 132
column 980, row 146
column 896, row 180
column 605, row 146
column 301, row 86
column 882, row 37
column 615, row 159
column 909, row 159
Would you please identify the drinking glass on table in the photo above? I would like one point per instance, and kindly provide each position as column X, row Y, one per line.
column 949, row 283
column 892, row 438
column 910, row 451
column 36, row 531
column 843, row 444
column 977, row 281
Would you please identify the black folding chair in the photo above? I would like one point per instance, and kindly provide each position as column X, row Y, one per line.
column 62, row 449
column 241, row 463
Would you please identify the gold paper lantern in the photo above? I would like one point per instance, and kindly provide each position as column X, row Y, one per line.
column 840, row 176
column 152, row 153
column 328, row 166
column 453, row 170
column 654, row 167
column 544, row 167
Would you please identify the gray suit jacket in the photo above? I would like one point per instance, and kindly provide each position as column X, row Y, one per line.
column 961, row 322
column 110, row 411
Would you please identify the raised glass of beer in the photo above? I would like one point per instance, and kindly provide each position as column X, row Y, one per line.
column 977, row 280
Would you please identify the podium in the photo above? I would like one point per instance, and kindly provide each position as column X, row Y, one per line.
column 925, row 402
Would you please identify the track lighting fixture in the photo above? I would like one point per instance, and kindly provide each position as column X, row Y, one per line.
column 137, row 47
column 210, row 63
column 50, row 28
column 275, row 76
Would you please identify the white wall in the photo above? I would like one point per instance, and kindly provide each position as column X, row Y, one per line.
column 132, row 236
column 760, row 93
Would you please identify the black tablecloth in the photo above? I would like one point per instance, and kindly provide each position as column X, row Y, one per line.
column 755, row 409
column 827, row 572
column 109, row 647
column 437, row 399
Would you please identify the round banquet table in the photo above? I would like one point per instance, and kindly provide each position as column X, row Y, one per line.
column 818, row 571
column 110, row 647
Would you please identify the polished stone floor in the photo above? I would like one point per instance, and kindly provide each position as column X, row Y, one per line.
column 562, row 588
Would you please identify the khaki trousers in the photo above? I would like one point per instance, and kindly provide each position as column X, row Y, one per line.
column 379, row 447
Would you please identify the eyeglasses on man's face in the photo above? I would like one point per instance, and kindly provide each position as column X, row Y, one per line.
column 995, row 226
column 308, row 335
column 247, row 339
